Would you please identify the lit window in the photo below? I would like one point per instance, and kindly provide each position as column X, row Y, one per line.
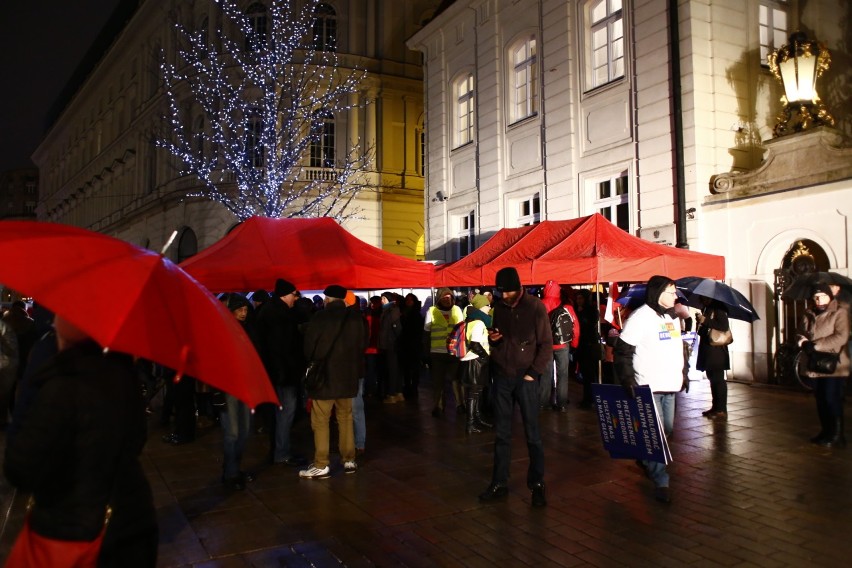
column 772, row 20
column 464, row 117
column 604, row 42
column 529, row 211
column 325, row 28
column 258, row 25
column 466, row 234
column 322, row 145
column 612, row 200
column 523, row 80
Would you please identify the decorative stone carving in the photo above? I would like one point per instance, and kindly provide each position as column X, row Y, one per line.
column 818, row 156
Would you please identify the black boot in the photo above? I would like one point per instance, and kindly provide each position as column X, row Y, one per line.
column 837, row 438
column 477, row 416
column 826, row 425
column 471, row 417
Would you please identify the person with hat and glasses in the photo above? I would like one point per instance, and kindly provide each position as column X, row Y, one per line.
column 521, row 350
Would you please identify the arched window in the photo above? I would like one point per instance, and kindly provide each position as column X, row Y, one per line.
column 523, row 82
column 258, row 22
column 325, row 28
column 322, row 145
column 604, row 42
column 187, row 244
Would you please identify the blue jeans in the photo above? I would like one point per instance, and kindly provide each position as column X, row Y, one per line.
column 666, row 407
column 507, row 391
column 236, row 424
column 562, row 357
column 358, row 417
column 283, row 422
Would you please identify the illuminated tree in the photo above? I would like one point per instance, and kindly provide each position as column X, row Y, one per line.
column 252, row 108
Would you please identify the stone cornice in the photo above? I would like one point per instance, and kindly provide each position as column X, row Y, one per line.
column 814, row 157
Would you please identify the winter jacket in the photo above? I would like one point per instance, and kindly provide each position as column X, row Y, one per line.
column 713, row 357
column 526, row 347
column 552, row 299
column 390, row 328
column 337, row 336
column 77, row 448
column 280, row 343
column 828, row 332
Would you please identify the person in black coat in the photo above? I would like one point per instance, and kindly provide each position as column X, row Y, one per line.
column 410, row 345
column 714, row 359
column 281, row 352
column 335, row 339
column 76, row 449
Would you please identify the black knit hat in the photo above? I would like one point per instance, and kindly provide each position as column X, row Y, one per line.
column 260, row 295
column 283, row 287
column 508, row 280
column 335, row 291
column 822, row 288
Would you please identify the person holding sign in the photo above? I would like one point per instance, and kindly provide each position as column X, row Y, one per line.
column 650, row 352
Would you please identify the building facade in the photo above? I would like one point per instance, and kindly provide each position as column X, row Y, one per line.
column 100, row 168
column 643, row 111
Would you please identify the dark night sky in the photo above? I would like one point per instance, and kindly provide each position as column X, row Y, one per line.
column 41, row 43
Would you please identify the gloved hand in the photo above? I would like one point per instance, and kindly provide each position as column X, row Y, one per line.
column 808, row 347
column 628, row 386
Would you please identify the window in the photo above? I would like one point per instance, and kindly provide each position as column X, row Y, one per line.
column 325, row 28
column 604, row 42
column 772, row 19
column 464, row 117
column 255, row 153
column 258, row 27
column 31, row 187
column 198, row 135
column 422, row 152
column 523, row 97
column 322, row 145
column 611, row 199
column 466, row 234
column 529, row 211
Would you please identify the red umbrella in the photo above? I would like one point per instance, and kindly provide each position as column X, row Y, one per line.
column 133, row 301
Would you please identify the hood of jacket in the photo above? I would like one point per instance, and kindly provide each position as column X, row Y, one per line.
column 656, row 286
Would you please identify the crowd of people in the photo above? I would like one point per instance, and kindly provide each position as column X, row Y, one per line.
column 485, row 355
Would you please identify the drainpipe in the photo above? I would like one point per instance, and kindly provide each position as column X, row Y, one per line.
column 542, row 127
column 476, row 90
column 677, row 114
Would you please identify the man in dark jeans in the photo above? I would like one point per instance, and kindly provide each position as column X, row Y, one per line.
column 521, row 350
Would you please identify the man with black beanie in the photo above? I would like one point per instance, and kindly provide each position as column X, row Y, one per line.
column 521, row 350
column 281, row 353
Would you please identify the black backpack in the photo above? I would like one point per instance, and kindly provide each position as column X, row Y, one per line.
column 561, row 326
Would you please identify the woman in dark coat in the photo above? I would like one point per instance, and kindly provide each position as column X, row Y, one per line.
column 76, row 449
column 825, row 329
column 714, row 359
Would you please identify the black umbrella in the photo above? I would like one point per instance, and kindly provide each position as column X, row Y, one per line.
column 738, row 306
column 634, row 296
column 802, row 287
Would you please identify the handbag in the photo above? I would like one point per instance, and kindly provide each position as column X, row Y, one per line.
column 720, row 338
column 822, row 362
column 32, row 549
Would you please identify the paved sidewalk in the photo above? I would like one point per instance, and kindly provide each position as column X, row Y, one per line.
column 747, row 492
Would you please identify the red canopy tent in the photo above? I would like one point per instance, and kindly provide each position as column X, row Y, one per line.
column 577, row 251
column 310, row 253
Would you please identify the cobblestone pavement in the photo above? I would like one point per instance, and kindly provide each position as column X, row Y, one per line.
column 751, row 491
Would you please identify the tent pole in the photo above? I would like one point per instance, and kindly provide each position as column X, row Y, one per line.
column 600, row 351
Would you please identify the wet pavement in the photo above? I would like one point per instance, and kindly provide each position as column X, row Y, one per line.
column 749, row 491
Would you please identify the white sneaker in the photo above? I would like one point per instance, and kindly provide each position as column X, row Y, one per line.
column 350, row 467
column 315, row 473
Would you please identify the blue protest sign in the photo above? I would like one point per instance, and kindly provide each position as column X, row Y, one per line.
column 630, row 428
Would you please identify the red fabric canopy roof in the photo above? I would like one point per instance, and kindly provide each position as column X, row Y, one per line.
column 577, row 251
column 310, row 253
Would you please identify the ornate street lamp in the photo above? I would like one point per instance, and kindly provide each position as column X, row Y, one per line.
column 798, row 65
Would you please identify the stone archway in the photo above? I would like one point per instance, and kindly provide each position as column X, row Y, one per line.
column 803, row 257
